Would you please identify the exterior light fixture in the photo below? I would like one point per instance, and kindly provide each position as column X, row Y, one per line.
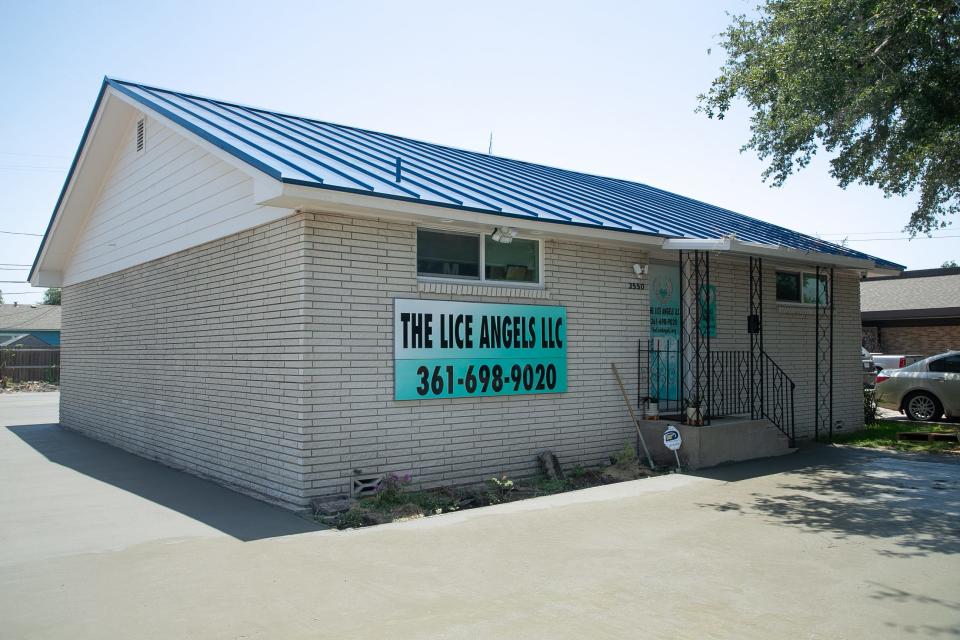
column 504, row 235
column 641, row 269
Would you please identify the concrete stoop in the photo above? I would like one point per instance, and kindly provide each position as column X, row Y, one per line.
column 725, row 440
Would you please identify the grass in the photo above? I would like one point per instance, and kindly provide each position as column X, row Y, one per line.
column 883, row 435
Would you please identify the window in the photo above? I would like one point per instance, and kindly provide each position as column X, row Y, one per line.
column 518, row 261
column 474, row 256
column 947, row 364
column 788, row 287
column 801, row 288
column 447, row 254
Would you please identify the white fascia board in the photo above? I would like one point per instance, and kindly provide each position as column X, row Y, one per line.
column 334, row 201
column 732, row 245
column 696, row 244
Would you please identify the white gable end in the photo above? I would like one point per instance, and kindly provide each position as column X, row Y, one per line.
column 169, row 196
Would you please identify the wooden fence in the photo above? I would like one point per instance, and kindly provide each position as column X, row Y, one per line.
column 19, row 364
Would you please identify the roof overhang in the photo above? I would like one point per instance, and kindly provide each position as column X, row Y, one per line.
column 731, row 244
column 116, row 107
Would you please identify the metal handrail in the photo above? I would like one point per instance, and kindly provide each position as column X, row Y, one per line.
column 729, row 387
column 777, row 399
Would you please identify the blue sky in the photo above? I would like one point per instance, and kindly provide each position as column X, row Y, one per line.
column 603, row 87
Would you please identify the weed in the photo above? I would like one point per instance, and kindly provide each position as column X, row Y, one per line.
column 626, row 457
column 500, row 488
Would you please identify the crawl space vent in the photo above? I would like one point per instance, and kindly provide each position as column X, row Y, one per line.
column 140, row 135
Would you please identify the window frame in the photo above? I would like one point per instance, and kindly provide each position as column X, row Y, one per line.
column 801, row 274
column 482, row 280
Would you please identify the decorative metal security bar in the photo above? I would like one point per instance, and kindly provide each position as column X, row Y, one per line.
column 729, row 383
column 729, row 388
column 663, row 376
column 823, row 353
column 755, row 329
column 695, row 330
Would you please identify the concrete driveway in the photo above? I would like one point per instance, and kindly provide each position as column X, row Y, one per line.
column 828, row 543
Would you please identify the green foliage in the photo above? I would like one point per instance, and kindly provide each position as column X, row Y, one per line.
column 500, row 489
column 626, row 457
column 51, row 296
column 883, row 434
column 873, row 82
column 391, row 488
column 1, row 297
column 870, row 408
column 949, row 263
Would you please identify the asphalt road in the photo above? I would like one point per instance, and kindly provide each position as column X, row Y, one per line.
column 830, row 542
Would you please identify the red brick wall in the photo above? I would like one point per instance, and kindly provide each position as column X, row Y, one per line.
column 925, row 341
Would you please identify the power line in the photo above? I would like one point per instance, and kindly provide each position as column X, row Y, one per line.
column 904, row 238
column 14, row 264
column 22, row 233
column 33, row 155
column 13, row 281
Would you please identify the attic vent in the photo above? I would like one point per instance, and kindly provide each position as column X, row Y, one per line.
column 140, row 135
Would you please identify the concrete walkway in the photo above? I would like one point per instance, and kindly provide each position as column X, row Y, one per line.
column 828, row 543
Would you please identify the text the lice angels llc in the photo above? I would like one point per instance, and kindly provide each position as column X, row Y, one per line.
column 448, row 349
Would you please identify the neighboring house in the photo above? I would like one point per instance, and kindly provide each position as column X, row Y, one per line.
column 39, row 320
column 913, row 313
column 23, row 340
column 294, row 307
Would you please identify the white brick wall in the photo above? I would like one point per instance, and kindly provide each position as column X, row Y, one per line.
column 357, row 267
column 265, row 359
column 197, row 359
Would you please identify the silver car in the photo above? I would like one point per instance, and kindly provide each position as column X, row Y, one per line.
column 924, row 390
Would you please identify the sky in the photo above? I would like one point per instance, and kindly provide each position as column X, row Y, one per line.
column 603, row 87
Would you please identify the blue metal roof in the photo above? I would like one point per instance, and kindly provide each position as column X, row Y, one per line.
column 330, row 156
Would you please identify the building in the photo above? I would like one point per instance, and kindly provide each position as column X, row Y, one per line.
column 38, row 320
column 913, row 313
column 292, row 307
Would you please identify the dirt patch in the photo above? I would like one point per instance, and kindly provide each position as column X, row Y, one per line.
column 392, row 503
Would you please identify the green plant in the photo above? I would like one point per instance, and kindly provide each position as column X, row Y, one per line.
column 626, row 457
column 390, row 491
column 352, row 519
column 870, row 407
column 577, row 472
column 500, row 488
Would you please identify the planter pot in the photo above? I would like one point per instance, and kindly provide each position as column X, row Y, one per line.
column 694, row 416
column 653, row 411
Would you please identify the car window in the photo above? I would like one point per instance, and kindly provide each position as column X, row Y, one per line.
column 913, row 367
column 946, row 364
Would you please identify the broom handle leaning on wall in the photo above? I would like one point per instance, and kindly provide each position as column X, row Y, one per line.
column 636, row 422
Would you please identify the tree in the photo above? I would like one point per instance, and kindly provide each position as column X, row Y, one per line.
column 949, row 263
column 876, row 83
column 1, row 297
column 51, row 296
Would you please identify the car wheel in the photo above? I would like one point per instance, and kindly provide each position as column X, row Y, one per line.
column 922, row 407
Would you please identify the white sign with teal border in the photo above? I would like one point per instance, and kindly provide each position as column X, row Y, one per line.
column 446, row 349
